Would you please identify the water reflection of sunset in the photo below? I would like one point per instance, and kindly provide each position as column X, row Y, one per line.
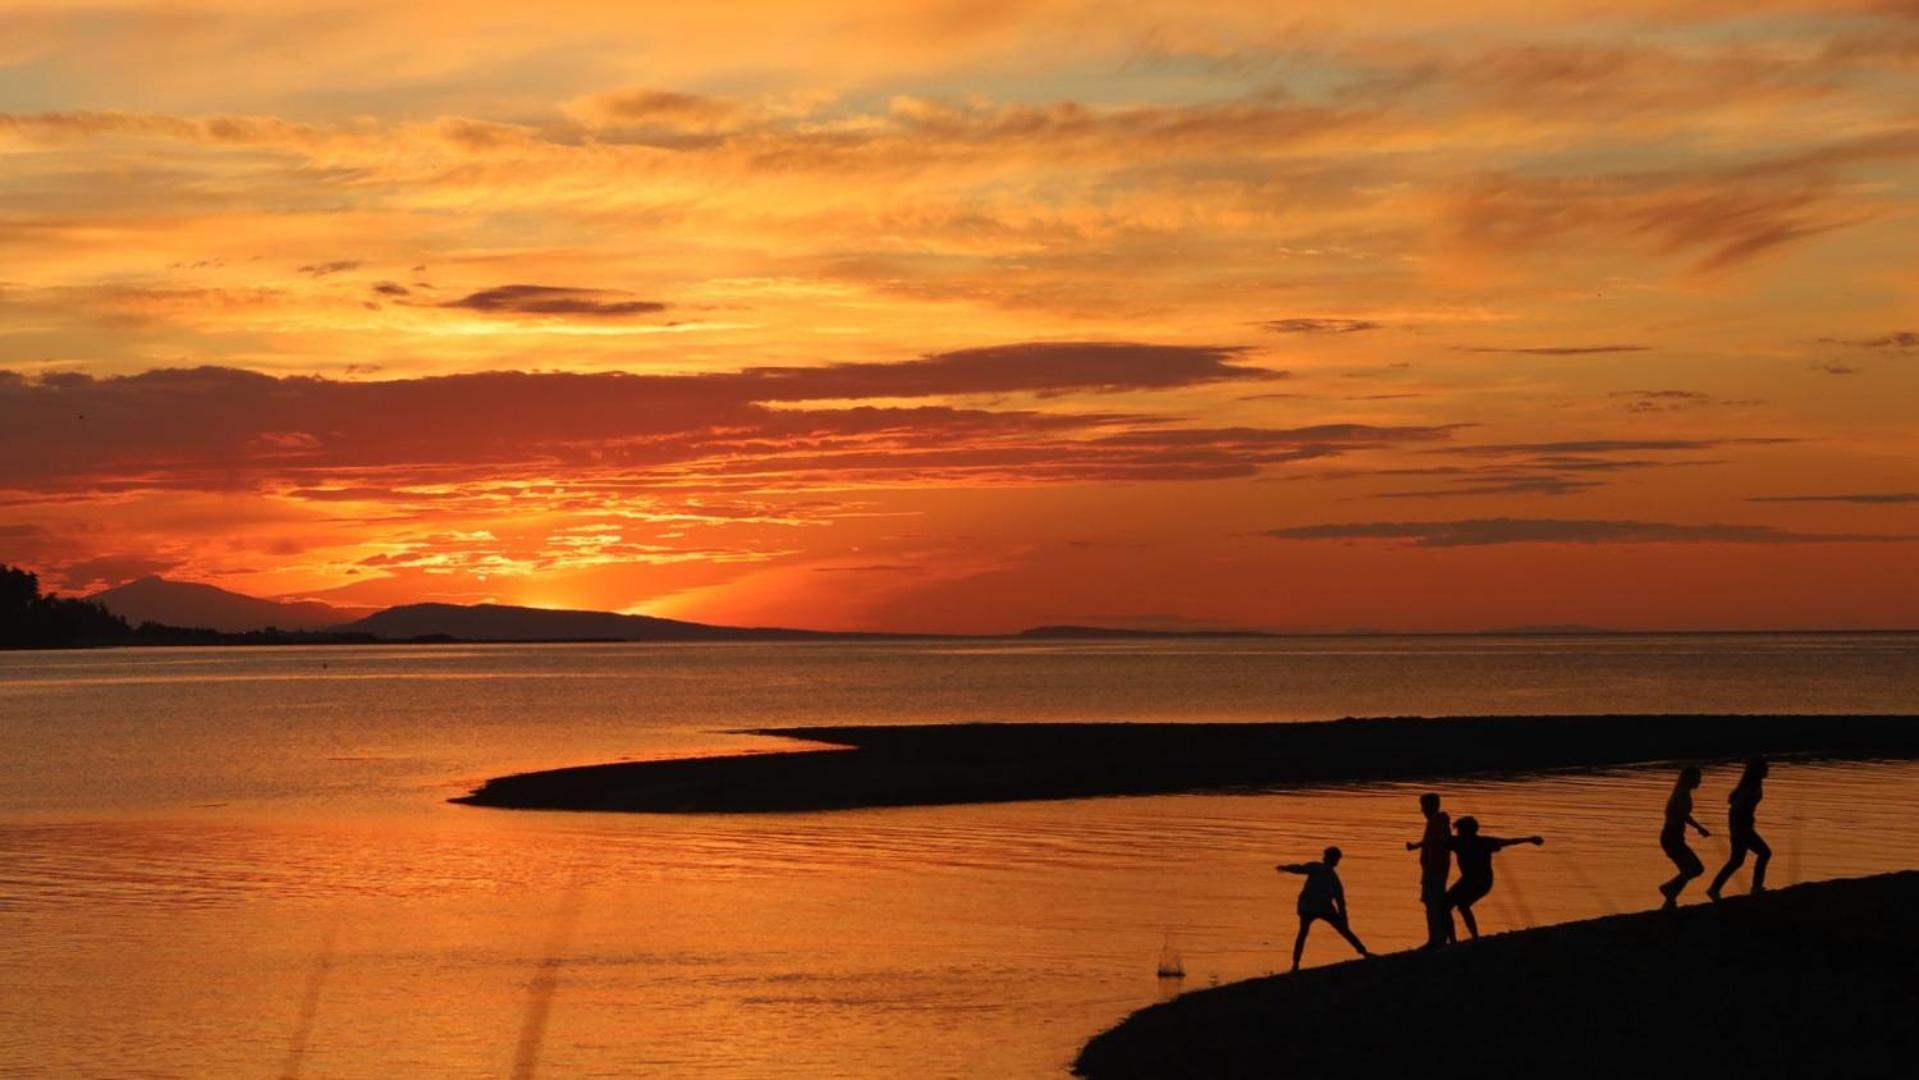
column 877, row 943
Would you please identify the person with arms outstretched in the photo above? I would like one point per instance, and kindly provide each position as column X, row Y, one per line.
column 1745, row 798
column 1475, row 855
column 1672, row 838
column 1321, row 897
column 1435, row 863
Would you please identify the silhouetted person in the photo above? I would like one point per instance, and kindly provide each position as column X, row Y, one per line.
column 1745, row 798
column 1435, row 863
column 1672, row 837
column 1475, row 855
column 1322, row 897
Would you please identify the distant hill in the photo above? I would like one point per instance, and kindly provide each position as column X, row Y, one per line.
column 1549, row 629
column 186, row 603
column 500, row 622
column 1094, row 633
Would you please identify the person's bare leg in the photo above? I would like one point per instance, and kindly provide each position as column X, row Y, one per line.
column 1689, row 867
column 1439, row 923
column 1733, row 863
column 1764, row 853
column 1299, row 943
column 1472, row 924
column 1346, row 932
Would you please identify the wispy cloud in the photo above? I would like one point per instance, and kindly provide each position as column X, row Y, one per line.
column 1616, row 446
column 1656, row 401
column 1479, row 532
column 1871, row 498
column 1049, row 367
column 1720, row 222
column 1320, row 326
column 1495, row 486
column 1551, row 350
column 553, row 300
column 1897, row 340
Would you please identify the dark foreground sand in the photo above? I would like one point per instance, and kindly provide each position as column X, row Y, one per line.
column 1813, row 981
column 961, row 763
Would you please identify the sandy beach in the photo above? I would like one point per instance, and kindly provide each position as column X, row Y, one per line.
column 944, row 764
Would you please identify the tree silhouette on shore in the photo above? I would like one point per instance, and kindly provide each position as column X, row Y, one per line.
column 30, row 619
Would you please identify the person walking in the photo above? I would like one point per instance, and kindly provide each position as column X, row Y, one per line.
column 1744, row 801
column 1321, row 897
column 1672, row 838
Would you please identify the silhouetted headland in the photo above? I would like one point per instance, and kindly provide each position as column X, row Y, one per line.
column 1814, row 980
column 155, row 611
column 970, row 763
column 154, row 599
column 504, row 622
column 1114, row 633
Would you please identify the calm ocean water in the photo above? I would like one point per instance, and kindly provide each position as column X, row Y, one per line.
column 239, row 862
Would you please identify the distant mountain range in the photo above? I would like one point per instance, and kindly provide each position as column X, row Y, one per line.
column 187, row 604
column 500, row 622
column 1073, row 633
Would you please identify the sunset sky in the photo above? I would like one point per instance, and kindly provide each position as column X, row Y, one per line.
column 972, row 315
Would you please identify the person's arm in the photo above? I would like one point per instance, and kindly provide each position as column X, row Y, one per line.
column 1694, row 822
column 1293, row 868
column 1415, row 845
column 1339, row 897
column 1501, row 842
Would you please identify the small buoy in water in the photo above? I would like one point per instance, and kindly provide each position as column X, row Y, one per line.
column 1170, row 965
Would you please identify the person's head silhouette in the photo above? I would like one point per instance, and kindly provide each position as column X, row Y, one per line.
column 1689, row 776
column 1756, row 769
column 1332, row 856
column 1467, row 826
column 1429, row 802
